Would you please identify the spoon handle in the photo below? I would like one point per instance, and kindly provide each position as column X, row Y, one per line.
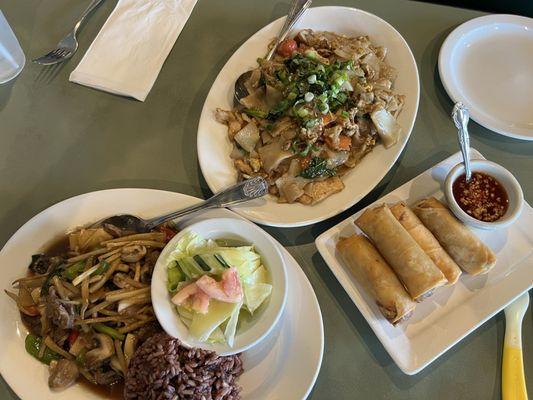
column 461, row 117
column 297, row 9
column 241, row 192
column 513, row 379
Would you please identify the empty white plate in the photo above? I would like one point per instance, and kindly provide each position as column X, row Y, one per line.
column 487, row 63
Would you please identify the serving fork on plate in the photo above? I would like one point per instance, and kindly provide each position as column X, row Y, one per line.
column 69, row 44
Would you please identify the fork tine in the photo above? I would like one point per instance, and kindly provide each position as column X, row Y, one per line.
column 53, row 57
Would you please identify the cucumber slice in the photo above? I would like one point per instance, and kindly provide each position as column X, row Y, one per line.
column 189, row 267
column 174, row 276
column 201, row 263
column 221, row 260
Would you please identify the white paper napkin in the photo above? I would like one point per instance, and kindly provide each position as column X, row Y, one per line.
column 130, row 49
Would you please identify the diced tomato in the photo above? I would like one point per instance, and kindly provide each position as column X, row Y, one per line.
column 327, row 118
column 169, row 233
column 287, row 47
column 345, row 142
column 72, row 336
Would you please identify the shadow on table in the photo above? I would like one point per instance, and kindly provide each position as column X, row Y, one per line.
column 48, row 73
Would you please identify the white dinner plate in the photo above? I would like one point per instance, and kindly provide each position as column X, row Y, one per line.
column 283, row 366
column 487, row 64
column 214, row 146
column 442, row 320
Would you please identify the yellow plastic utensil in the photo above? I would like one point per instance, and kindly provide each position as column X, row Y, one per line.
column 513, row 380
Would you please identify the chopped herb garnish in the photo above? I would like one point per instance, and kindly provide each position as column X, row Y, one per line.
column 317, row 167
column 253, row 112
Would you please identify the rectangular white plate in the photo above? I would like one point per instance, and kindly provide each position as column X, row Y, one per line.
column 445, row 318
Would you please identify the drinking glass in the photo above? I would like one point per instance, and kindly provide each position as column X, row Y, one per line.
column 11, row 55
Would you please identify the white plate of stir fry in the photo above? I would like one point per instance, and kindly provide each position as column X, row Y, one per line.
column 104, row 347
column 323, row 120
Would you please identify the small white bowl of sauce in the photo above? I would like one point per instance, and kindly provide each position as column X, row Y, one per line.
column 492, row 199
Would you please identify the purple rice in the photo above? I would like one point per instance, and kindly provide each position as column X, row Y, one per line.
column 163, row 369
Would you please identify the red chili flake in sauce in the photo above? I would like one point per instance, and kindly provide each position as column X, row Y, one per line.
column 483, row 197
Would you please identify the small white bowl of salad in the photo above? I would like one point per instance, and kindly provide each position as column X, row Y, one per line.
column 220, row 285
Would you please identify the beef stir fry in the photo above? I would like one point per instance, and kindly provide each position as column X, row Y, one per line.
column 89, row 307
column 312, row 113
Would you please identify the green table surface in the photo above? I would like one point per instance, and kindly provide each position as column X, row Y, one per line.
column 59, row 139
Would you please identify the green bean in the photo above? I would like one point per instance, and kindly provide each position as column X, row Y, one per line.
column 33, row 347
column 107, row 330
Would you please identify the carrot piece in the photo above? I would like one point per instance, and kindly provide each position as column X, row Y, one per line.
column 327, row 118
column 305, row 161
column 345, row 142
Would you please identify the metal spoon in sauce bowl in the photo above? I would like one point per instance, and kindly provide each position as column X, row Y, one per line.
column 241, row 192
column 461, row 117
column 296, row 10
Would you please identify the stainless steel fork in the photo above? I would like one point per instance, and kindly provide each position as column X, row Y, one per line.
column 69, row 44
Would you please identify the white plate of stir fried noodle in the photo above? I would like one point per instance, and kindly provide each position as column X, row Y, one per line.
column 284, row 365
column 324, row 120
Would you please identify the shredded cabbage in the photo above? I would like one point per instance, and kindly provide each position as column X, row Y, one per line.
column 194, row 257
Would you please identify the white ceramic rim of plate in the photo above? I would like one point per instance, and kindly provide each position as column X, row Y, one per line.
column 335, row 207
column 219, row 227
column 151, row 201
column 446, row 69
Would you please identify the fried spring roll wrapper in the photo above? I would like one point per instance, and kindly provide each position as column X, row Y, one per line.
column 427, row 242
column 470, row 253
column 373, row 273
column 412, row 265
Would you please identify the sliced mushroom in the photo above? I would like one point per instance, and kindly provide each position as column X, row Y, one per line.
column 63, row 373
column 115, row 365
column 81, row 343
column 130, row 344
column 104, row 351
column 133, row 253
column 119, row 281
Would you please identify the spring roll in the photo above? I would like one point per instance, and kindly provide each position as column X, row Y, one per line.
column 414, row 267
column 470, row 253
column 427, row 242
column 373, row 273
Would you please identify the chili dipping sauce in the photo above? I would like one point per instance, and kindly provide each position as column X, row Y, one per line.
column 483, row 197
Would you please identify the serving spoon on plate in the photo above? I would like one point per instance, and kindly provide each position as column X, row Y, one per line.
column 239, row 193
column 296, row 10
column 461, row 116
